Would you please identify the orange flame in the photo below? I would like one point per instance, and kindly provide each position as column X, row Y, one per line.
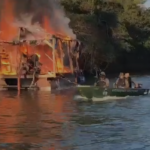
column 8, row 32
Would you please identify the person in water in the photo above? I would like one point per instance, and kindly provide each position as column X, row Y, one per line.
column 129, row 81
column 120, row 83
column 103, row 81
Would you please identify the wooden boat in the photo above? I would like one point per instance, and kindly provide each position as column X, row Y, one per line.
column 95, row 91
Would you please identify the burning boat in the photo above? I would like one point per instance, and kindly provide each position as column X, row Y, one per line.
column 32, row 53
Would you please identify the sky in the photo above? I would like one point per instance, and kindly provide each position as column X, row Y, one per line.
column 147, row 4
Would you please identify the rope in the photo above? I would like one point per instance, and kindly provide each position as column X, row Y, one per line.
column 37, row 39
column 33, row 80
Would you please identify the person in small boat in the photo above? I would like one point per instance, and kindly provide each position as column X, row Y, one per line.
column 129, row 81
column 103, row 81
column 120, row 83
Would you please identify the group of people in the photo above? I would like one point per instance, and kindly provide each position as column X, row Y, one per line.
column 123, row 81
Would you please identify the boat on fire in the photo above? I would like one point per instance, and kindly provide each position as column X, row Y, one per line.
column 97, row 92
column 37, row 63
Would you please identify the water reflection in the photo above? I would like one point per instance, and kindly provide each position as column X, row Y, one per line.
column 44, row 121
column 35, row 117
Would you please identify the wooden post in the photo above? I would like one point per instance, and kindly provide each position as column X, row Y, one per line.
column 18, row 72
column 57, row 70
column 19, row 66
column 61, row 53
column 54, row 60
column 0, row 64
column 76, row 58
column 18, row 81
column 10, row 62
column 70, row 60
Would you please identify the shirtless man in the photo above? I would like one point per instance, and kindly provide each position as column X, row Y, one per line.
column 120, row 83
column 129, row 81
column 103, row 81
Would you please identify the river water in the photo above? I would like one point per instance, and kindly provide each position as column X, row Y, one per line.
column 44, row 121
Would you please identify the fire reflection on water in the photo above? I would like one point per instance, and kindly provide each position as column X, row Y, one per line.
column 35, row 117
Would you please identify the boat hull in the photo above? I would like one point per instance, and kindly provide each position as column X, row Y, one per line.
column 93, row 91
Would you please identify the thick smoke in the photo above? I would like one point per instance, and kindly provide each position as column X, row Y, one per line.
column 38, row 9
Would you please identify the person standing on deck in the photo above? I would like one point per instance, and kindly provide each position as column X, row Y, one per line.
column 103, row 81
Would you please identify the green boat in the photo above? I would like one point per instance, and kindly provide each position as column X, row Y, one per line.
column 97, row 92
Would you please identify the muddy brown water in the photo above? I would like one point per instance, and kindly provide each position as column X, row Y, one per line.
column 44, row 121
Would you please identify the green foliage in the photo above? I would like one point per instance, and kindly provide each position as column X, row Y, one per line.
column 107, row 28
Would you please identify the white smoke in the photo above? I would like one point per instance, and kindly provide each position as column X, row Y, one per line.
column 36, row 32
column 51, row 8
column 59, row 20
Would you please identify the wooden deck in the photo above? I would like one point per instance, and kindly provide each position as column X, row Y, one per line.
column 42, row 83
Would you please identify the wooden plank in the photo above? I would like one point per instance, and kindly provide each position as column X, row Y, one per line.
column 85, row 86
column 70, row 60
column 15, row 86
column 48, row 43
column 52, row 75
column 61, row 53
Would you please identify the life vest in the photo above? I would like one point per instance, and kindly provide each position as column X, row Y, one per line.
column 121, row 82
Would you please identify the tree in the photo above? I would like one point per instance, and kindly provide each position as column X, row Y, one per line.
column 109, row 28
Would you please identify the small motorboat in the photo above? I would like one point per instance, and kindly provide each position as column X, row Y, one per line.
column 95, row 91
